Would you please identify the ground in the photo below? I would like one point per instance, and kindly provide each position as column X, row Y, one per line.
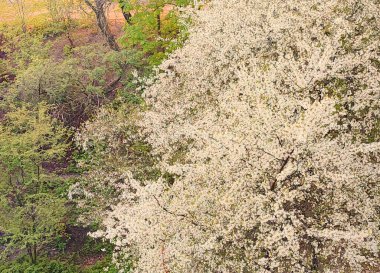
column 37, row 13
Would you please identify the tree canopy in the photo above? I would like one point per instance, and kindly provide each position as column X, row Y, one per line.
column 267, row 121
column 30, row 214
column 171, row 136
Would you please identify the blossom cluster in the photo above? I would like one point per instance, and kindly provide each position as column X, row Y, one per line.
column 268, row 120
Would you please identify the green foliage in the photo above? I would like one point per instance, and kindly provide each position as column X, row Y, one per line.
column 56, row 266
column 106, row 265
column 30, row 213
column 29, row 137
column 53, row 89
column 102, row 266
column 33, row 222
column 60, row 243
column 153, row 33
column 76, row 85
column 45, row 266
column 23, row 49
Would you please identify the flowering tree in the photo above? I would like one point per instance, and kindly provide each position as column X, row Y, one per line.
column 268, row 122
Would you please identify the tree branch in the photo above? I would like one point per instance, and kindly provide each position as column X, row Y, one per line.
column 91, row 5
column 273, row 183
column 178, row 215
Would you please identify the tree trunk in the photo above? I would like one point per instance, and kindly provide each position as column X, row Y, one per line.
column 159, row 24
column 103, row 25
column 21, row 10
column 34, row 253
column 101, row 19
column 72, row 45
column 29, row 250
column 127, row 17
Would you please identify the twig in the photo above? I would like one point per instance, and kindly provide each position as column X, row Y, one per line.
column 178, row 215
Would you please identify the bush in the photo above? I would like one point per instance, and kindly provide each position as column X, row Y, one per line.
column 44, row 266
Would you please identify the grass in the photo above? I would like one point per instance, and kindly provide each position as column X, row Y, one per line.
column 36, row 12
column 37, row 15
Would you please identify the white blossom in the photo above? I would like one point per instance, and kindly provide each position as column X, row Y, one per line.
column 269, row 118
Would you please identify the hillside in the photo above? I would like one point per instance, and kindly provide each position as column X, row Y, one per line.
column 224, row 136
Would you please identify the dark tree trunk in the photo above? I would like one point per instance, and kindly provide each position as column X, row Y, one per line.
column 127, row 17
column 159, row 24
column 103, row 25
column 34, row 253
column 101, row 19
column 29, row 250
column 32, row 248
column 72, row 45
